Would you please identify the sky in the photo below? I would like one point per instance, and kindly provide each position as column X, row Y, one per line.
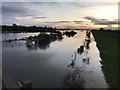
column 61, row 14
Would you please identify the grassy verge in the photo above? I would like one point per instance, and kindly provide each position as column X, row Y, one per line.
column 107, row 43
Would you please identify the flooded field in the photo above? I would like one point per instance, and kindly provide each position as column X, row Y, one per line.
column 58, row 61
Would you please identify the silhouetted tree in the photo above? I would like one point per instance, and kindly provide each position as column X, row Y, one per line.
column 70, row 34
column 15, row 28
column 42, row 41
column 14, row 25
column 101, row 29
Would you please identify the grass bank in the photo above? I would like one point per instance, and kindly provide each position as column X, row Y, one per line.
column 107, row 43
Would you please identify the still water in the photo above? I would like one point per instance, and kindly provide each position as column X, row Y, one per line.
column 55, row 63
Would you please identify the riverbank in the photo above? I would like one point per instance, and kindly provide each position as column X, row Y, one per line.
column 107, row 43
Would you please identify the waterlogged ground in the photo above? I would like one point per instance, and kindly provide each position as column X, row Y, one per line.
column 55, row 63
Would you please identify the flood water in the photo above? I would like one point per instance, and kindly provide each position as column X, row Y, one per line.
column 55, row 63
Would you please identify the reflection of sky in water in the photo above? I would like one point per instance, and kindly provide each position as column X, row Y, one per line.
column 49, row 67
column 17, row 35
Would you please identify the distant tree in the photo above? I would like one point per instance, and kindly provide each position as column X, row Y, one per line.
column 109, row 29
column 51, row 27
column 45, row 27
column 101, row 29
column 34, row 26
column 14, row 25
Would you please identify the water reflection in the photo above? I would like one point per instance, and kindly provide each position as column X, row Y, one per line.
column 86, row 43
column 74, row 78
column 43, row 40
column 81, row 49
column 85, row 47
column 81, row 70
column 72, row 64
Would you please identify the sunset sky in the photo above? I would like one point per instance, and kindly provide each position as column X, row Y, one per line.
column 61, row 14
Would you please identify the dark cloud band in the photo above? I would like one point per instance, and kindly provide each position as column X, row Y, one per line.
column 97, row 21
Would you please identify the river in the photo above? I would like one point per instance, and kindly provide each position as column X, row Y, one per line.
column 54, row 63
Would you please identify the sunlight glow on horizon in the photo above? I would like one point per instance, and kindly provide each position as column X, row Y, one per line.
column 107, row 13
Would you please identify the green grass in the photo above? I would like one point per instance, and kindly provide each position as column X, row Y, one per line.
column 108, row 44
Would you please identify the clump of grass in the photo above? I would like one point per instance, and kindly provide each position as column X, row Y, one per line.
column 108, row 44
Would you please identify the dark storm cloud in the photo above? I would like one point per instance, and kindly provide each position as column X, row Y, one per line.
column 97, row 21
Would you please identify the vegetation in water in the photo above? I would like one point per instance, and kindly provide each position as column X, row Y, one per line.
column 70, row 34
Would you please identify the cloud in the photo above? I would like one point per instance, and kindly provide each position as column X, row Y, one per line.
column 44, row 3
column 107, row 23
column 66, row 24
column 92, row 19
column 29, row 12
column 60, row 0
column 97, row 21
column 57, row 22
column 63, row 21
column 30, row 17
column 38, row 17
column 13, row 9
column 78, row 22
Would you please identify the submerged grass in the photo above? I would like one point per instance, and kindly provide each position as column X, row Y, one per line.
column 108, row 44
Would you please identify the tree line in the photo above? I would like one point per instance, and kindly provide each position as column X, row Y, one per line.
column 15, row 28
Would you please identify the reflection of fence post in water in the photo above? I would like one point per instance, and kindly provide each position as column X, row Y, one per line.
column 74, row 78
column 81, row 49
column 75, row 56
column 84, row 48
column 86, row 44
column 86, row 59
column 72, row 64
column 88, row 33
